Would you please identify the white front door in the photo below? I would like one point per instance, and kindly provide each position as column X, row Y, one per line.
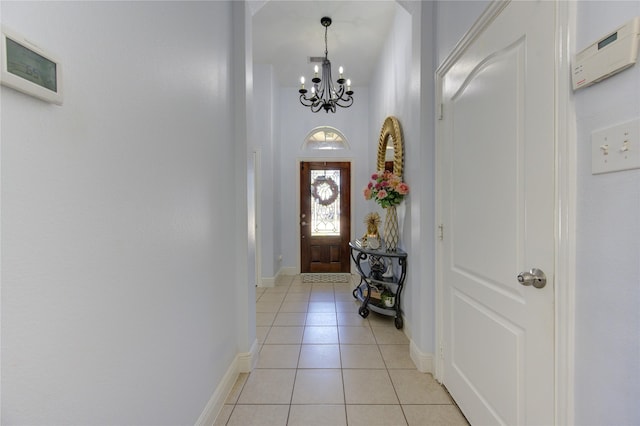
column 496, row 145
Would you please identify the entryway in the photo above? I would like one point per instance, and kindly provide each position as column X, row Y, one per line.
column 325, row 216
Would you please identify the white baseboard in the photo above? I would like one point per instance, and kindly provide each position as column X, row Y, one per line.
column 422, row 360
column 271, row 281
column 288, row 270
column 267, row 282
column 247, row 361
column 243, row 363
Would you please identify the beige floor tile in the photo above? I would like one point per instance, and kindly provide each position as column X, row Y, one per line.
column 375, row 415
column 276, row 289
column 356, row 335
column 232, row 398
column 389, row 335
column 264, row 319
column 379, row 320
column 279, row 356
column 317, row 415
column 269, row 306
column 318, row 386
column 347, row 306
column 361, row 356
column 320, row 335
column 259, row 415
column 368, row 387
column 272, row 297
column 299, row 288
column 321, row 318
column 284, row 336
column 322, row 288
column 261, row 333
column 322, row 307
column 223, row 415
column 297, row 297
column 436, row 415
column 351, row 319
column 322, row 297
column 414, row 387
column 294, row 307
column 268, row 386
column 287, row 319
column 345, row 297
column 397, row 356
column 319, row 356
column 342, row 288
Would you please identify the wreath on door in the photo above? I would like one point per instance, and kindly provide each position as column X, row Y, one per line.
column 324, row 190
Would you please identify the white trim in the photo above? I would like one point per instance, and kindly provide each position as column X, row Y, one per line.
column 271, row 281
column 217, row 400
column 566, row 189
column 257, row 209
column 422, row 360
column 565, row 208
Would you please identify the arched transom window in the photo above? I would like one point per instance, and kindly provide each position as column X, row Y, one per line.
column 325, row 137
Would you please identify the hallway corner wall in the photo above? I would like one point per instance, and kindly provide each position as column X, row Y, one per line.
column 607, row 320
column 116, row 227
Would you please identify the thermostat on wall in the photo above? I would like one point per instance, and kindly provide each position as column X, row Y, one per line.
column 613, row 53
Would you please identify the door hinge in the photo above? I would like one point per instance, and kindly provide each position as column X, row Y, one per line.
column 441, row 232
column 441, row 112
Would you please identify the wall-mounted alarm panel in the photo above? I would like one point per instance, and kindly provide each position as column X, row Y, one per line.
column 611, row 54
column 28, row 68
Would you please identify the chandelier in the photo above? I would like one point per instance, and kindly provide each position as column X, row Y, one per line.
column 324, row 95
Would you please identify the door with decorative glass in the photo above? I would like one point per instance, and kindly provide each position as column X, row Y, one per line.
column 325, row 216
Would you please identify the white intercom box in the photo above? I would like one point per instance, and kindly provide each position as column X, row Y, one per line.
column 609, row 55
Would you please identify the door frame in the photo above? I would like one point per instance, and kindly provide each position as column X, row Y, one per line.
column 301, row 160
column 564, row 210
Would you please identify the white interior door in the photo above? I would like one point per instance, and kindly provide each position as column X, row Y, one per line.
column 496, row 141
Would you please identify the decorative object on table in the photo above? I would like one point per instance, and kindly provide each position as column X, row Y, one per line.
column 373, row 242
column 324, row 94
column 389, row 272
column 388, row 190
column 372, row 221
column 388, row 299
column 377, row 267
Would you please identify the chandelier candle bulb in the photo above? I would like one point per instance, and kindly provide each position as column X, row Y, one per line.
column 315, row 70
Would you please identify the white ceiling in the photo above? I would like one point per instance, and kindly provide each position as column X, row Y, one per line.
column 287, row 33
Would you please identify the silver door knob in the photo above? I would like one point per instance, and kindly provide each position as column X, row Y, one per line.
column 534, row 277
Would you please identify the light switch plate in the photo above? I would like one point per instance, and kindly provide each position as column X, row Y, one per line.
column 616, row 148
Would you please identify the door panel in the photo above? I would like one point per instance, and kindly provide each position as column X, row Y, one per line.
column 498, row 215
column 325, row 214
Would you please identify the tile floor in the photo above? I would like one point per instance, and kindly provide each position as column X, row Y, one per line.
column 322, row 364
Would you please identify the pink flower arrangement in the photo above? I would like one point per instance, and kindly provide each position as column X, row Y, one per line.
column 386, row 189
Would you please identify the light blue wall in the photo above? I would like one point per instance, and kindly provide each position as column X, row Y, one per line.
column 118, row 239
column 608, row 241
column 404, row 82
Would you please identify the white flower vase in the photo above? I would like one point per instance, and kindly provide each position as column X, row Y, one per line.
column 391, row 229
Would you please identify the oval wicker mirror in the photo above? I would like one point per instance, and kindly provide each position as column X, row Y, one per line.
column 390, row 147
